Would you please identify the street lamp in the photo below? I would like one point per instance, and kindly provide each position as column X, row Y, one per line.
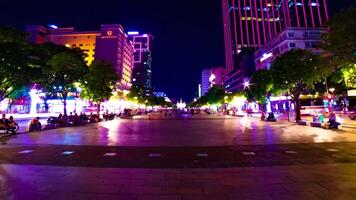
column 246, row 84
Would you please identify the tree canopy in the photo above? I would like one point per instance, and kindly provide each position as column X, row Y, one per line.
column 99, row 83
column 260, row 85
column 16, row 63
column 61, row 72
column 340, row 42
column 295, row 72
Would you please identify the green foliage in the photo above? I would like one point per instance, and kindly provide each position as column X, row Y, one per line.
column 340, row 42
column 99, row 83
column 16, row 64
column 296, row 72
column 215, row 95
column 260, row 86
column 61, row 71
column 138, row 94
column 141, row 95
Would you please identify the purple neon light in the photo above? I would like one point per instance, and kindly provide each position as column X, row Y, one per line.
column 241, row 31
column 252, row 24
column 235, row 26
column 296, row 12
column 263, row 22
column 311, row 13
column 246, row 25
column 257, row 25
column 305, row 15
column 268, row 22
column 274, row 19
column 326, row 11
column 318, row 5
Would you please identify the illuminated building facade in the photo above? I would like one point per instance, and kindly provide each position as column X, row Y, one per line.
column 290, row 38
column 68, row 37
column 110, row 44
column 142, row 71
column 211, row 77
column 252, row 23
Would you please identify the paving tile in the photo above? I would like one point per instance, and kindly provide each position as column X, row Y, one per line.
column 113, row 197
column 141, row 190
column 71, row 196
column 204, row 197
column 26, row 195
column 295, row 196
column 158, row 197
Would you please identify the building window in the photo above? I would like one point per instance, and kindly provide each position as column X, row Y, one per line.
column 80, row 45
column 291, row 35
column 292, row 44
column 74, row 37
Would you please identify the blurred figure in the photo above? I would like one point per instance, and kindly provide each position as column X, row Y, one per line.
column 35, row 125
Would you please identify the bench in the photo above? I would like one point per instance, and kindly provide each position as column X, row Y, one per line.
column 316, row 124
column 302, row 123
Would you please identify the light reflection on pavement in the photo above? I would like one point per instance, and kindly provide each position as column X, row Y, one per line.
column 240, row 131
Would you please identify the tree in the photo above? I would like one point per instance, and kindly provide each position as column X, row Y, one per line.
column 260, row 86
column 295, row 72
column 16, row 64
column 215, row 95
column 340, row 43
column 61, row 72
column 99, row 83
column 138, row 94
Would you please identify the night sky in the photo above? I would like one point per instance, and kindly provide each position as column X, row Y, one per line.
column 188, row 33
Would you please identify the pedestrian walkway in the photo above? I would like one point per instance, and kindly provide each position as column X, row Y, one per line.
column 307, row 182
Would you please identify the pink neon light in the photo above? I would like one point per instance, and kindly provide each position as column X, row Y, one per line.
column 326, row 11
column 235, row 26
column 257, row 25
column 269, row 22
column 246, row 25
column 274, row 20
column 241, row 31
column 252, row 24
column 288, row 14
column 263, row 22
column 320, row 21
column 305, row 15
column 296, row 11
column 311, row 13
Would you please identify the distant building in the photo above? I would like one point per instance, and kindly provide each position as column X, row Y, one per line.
column 142, row 71
column 211, row 77
column 291, row 38
column 159, row 94
column 109, row 44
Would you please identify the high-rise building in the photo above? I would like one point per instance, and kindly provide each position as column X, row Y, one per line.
column 142, row 71
column 211, row 77
column 110, row 44
column 253, row 23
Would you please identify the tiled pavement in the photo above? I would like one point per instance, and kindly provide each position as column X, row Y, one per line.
column 307, row 182
column 224, row 160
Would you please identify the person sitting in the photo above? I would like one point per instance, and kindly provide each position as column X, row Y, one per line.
column 271, row 117
column 4, row 122
column 333, row 124
column 12, row 122
column 35, row 124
